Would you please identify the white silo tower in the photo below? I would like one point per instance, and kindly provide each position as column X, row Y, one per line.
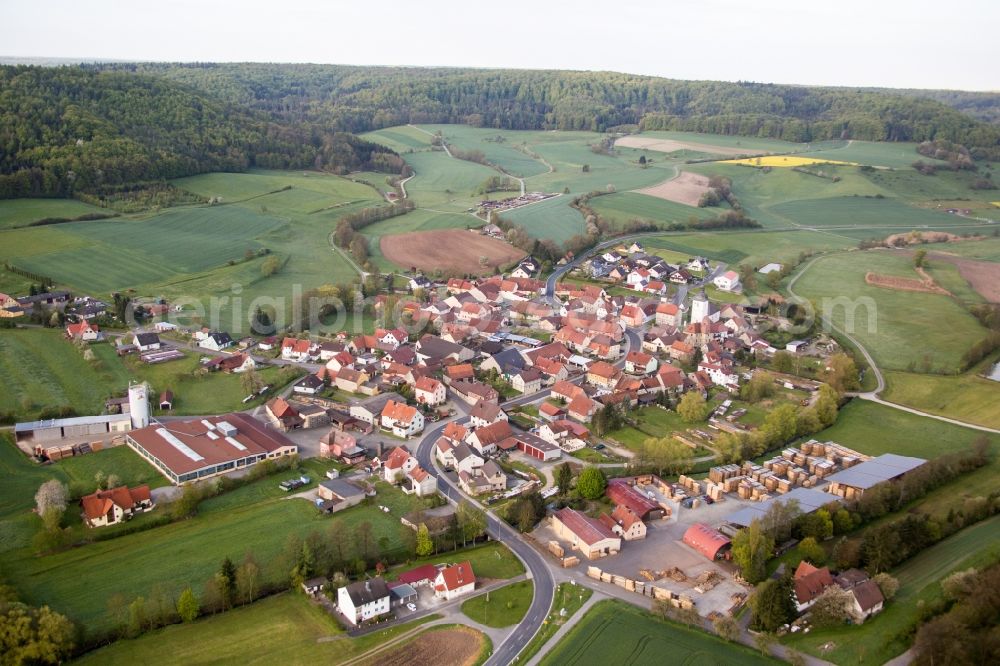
column 138, row 405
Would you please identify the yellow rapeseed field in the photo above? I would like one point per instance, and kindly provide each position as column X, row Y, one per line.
column 996, row 203
column 784, row 161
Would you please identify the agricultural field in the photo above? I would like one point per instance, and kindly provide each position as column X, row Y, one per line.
column 402, row 138
column 755, row 248
column 901, row 329
column 686, row 188
column 449, row 250
column 569, row 597
column 890, row 155
column 668, row 142
column 864, row 212
column 445, row 183
column 785, row 161
column 443, row 644
column 624, row 206
column 80, row 581
column 286, row 628
column 23, row 212
column 552, row 218
column 616, row 632
column 887, row 634
column 502, row 152
column 967, row 397
column 502, row 607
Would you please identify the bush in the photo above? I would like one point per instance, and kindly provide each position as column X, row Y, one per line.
column 591, row 483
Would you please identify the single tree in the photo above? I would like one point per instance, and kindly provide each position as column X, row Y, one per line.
column 752, row 547
column 591, row 483
column 425, row 545
column 187, row 606
column 564, row 477
column 692, row 407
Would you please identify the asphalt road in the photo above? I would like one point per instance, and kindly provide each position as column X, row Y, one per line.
column 538, row 570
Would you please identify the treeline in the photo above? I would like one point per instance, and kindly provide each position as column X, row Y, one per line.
column 71, row 129
column 358, row 99
column 346, row 234
column 498, row 184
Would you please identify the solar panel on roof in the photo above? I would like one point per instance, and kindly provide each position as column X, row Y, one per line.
column 178, row 444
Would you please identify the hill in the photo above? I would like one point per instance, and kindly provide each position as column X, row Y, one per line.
column 358, row 99
column 71, row 129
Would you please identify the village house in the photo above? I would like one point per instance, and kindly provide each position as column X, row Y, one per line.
column 728, row 281
column 364, row 600
column 84, row 331
column 603, row 374
column 341, row 446
column 146, row 341
column 486, row 438
column 454, row 581
column 237, row 363
column 216, row 341
column 283, row 416
column 429, row 391
column 471, row 391
column 489, row 477
column 404, row 421
column 808, row 583
column 866, row 596
column 309, row 385
column 638, row 363
column 419, row 482
column 293, row 349
column 527, row 380
column 339, row 493
column 485, row 413
column 591, row 537
column 397, row 464
column 351, row 380
column 669, row 314
column 109, row 507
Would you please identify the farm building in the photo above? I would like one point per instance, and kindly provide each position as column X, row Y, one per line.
column 363, row 600
column 336, row 494
column 370, row 409
column 401, row 594
column 852, row 482
column 808, row 583
column 167, row 400
column 422, row 575
column 51, row 431
column 620, row 492
column 185, row 451
column 710, row 543
column 591, row 537
column 146, row 341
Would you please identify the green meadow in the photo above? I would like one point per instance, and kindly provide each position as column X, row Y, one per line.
column 23, row 212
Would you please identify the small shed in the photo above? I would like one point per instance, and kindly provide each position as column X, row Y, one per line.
column 314, row 586
column 167, row 400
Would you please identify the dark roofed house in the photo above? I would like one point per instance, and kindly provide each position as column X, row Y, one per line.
column 485, row 413
column 363, row 600
column 808, row 583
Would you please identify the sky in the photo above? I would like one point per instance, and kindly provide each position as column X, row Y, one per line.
column 886, row 43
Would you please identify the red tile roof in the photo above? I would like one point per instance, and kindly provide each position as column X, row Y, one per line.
column 705, row 540
column 397, row 458
column 427, row 572
column 622, row 493
column 809, row 582
column 587, row 529
column 457, row 576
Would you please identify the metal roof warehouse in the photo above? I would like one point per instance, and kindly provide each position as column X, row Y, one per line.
column 883, row 468
column 809, row 500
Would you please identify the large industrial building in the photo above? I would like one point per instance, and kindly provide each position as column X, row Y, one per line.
column 852, row 482
column 185, row 451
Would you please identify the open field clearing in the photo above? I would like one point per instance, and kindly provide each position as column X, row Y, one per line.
column 885, row 635
column 673, row 146
column 624, row 206
column 502, row 152
column 900, row 329
column 450, row 250
column 863, row 211
column 22, row 212
column 895, row 155
column 713, row 143
column 755, row 248
column 613, row 632
column 686, row 188
column 449, row 645
column 445, row 183
column 240, row 187
column 80, row 581
column 967, row 397
column 552, row 218
column 401, row 138
column 785, row 161
column 286, row 628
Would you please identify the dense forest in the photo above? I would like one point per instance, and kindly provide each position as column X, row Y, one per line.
column 358, row 99
column 74, row 129
column 65, row 130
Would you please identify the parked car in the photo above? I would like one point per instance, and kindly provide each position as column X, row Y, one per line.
column 411, row 606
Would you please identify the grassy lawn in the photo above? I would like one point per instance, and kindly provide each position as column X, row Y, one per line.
column 616, row 632
column 966, row 397
column 491, row 560
column 901, row 329
column 650, row 422
column 569, row 597
column 80, row 581
column 22, row 212
column 887, row 634
column 286, row 628
column 502, row 607
column 42, row 369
